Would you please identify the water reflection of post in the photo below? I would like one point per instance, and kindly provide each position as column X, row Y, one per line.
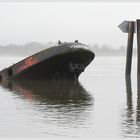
column 138, row 100
column 138, row 108
column 132, row 121
column 128, row 120
column 129, row 101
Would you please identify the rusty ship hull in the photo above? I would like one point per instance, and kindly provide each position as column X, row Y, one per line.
column 65, row 61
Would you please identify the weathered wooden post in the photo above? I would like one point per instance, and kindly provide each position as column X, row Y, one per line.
column 129, row 92
column 128, row 27
column 138, row 71
column 138, row 47
column 129, row 48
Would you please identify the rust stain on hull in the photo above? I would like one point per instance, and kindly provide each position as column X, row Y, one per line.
column 26, row 64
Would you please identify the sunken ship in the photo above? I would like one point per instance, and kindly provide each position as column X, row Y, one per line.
column 64, row 61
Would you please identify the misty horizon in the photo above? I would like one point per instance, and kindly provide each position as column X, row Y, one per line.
column 31, row 48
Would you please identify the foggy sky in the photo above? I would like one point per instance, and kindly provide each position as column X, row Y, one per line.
column 43, row 22
column 69, row 0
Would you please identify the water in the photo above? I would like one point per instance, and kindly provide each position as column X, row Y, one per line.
column 98, row 106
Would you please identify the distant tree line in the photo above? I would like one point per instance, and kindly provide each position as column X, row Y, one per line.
column 23, row 50
column 34, row 47
column 106, row 50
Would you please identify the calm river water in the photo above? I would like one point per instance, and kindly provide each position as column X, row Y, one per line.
column 99, row 106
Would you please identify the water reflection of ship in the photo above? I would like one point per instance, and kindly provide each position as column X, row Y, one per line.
column 50, row 91
column 60, row 108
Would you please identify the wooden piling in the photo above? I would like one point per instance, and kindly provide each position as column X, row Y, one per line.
column 138, row 55
column 129, row 92
column 129, row 48
column 138, row 46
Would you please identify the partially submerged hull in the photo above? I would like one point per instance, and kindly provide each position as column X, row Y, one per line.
column 65, row 61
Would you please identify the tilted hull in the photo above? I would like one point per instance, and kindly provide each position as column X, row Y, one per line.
column 59, row 62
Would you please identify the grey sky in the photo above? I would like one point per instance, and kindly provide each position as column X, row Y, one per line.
column 87, row 22
column 69, row 0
